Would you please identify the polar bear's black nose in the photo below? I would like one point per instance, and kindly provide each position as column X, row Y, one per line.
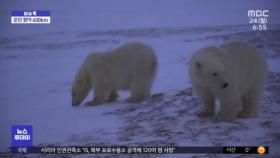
column 225, row 85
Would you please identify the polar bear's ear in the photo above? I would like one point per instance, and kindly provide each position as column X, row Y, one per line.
column 198, row 65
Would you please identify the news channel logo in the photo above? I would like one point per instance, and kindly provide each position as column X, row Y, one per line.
column 30, row 17
column 258, row 19
column 21, row 136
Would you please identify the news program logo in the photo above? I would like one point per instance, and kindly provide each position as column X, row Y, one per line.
column 21, row 136
column 30, row 17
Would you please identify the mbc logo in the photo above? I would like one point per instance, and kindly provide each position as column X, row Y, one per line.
column 258, row 13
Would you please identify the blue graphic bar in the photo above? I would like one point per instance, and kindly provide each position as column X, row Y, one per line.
column 21, row 135
column 30, row 13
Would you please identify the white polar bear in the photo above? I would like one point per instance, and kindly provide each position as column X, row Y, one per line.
column 234, row 74
column 129, row 67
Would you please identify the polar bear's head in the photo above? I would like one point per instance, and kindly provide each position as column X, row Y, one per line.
column 210, row 67
column 80, row 89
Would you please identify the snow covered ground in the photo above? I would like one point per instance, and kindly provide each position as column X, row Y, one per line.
column 37, row 69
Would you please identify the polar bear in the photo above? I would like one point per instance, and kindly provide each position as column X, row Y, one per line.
column 131, row 66
column 234, row 74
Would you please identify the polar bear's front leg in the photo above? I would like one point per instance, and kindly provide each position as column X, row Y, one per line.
column 140, row 90
column 251, row 103
column 113, row 96
column 208, row 100
column 101, row 92
column 229, row 107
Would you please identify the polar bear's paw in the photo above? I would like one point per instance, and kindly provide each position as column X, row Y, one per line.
column 205, row 114
column 245, row 114
column 133, row 100
column 224, row 118
column 93, row 103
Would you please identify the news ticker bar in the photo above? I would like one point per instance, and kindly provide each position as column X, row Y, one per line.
column 141, row 150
